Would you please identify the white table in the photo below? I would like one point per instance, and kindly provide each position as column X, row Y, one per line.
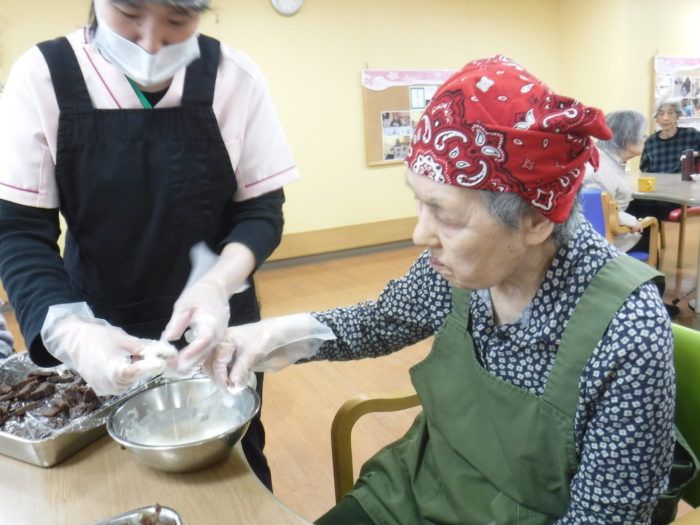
column 670, row 188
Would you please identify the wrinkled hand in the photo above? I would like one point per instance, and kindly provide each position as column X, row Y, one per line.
column 637, row 227
column 203, row 308
column 109, row 359
column 266, row 346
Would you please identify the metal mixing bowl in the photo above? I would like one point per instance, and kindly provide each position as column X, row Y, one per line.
column 183, row 425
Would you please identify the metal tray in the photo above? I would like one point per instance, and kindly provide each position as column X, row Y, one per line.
column 66, row 441
column 132, row 517
column 48, row 451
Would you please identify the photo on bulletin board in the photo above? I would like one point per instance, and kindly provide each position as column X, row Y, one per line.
column 394, row 102
column 420, row 98
column 678, row 78
column 396, row 123
column 395, row 148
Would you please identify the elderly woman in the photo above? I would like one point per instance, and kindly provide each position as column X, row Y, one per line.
column 662, row 154
column 548, row 396
column 628, row 128
column 663, row 150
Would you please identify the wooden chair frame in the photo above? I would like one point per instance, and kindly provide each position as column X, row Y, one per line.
column 356, row 407
column 613, row 228
column 341, row 430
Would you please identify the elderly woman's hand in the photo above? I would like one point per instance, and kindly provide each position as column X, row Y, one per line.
column 266, row 346
column 201, row 312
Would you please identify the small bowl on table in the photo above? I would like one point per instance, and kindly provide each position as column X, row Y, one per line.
column 183, row 425
column 695, row 177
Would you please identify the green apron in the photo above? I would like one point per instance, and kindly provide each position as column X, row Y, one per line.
column 484, row 451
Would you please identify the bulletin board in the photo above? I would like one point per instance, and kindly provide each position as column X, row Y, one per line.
column 678, row 78
column 394, row 101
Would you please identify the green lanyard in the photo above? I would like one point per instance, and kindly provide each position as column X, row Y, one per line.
column 144, row 101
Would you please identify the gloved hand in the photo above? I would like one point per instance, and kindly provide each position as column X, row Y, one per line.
column 109, row 359
column 202, row 311
column 266, row 346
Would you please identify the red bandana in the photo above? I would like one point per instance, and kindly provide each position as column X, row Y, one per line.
column 493, row 126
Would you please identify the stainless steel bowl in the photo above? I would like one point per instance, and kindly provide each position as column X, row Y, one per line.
column 183, row 425
column 136, row 516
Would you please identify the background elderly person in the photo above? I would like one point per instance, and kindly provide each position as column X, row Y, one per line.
column 662, row 154
column 548, row 396
column 663, row 149
column 628, row 128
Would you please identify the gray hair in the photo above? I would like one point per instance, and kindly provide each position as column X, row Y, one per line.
column 666, row 101
column 510, row 208
column 628, row 127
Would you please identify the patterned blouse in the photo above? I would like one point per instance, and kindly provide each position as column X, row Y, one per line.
column 6, row 340
column 624, row 420
column 664, row 155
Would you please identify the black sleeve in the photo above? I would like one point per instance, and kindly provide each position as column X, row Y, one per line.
column 258, row 224
column 645, row 162
column 32, row 270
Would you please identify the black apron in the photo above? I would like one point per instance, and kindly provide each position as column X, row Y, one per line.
column 137, row 189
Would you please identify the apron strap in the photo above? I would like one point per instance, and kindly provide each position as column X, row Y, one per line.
column 68, row 82
column 603, row 296
column 200, row 79
column 461, row 301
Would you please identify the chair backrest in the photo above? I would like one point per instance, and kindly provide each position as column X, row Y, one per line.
column 593, row 210
column 597, row 207
column 686, row 355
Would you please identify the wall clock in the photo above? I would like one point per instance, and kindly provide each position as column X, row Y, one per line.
column 287, row 7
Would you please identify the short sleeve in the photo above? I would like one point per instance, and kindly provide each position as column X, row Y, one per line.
column 250, row 127
column 28, row 127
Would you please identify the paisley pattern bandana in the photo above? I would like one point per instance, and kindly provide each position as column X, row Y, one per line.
column 493, row 126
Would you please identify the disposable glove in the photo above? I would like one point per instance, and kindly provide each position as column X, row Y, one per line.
column 109, row 359
column 266, row 346
column 202, row 310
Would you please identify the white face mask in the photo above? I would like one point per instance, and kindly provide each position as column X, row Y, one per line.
column 136, row 63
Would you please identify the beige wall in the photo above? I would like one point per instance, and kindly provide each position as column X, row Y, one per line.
column 607, row 55
column 600, row 51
